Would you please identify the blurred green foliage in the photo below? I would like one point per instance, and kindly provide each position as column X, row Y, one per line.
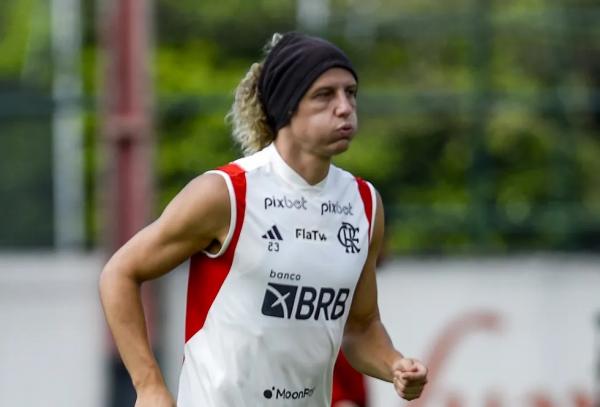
column 479, row 119
column 25, row 184
column 26, row 208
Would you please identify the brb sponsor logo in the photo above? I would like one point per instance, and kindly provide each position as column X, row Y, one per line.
column 336, row 208
column 285, row 394
column 285, row 203
column 304, row 302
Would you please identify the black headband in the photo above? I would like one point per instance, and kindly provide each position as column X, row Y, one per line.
column 291, row 67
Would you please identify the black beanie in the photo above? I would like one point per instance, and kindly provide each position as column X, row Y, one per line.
column 291, row 67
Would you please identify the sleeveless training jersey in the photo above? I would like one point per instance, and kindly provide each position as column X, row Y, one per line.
column 265, row 315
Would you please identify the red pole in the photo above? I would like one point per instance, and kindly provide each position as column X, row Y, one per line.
column 127, row 120
column 127, row 138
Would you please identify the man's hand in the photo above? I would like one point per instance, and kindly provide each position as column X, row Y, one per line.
column 410, row 377
column 154, row 397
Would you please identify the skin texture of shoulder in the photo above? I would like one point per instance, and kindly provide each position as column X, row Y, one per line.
column 196, row 219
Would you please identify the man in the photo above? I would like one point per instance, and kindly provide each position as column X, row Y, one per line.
column 283, row 248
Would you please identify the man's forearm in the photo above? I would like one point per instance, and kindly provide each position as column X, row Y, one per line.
column 122, row 305
column 370, row 350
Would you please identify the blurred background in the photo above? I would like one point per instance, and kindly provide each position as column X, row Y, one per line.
column 479, row 125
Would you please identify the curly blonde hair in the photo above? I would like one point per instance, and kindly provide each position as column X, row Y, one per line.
column 250, row 128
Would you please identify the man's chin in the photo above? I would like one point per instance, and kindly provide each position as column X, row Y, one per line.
column 340, row 146
column 335, row 148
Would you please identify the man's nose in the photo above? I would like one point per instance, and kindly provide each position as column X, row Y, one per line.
column 344, row 106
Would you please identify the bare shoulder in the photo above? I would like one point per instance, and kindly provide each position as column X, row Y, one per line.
column 202, row 209
column 209, row 188
column 194, row 220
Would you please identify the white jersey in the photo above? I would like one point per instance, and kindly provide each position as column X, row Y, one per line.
column 265, row 315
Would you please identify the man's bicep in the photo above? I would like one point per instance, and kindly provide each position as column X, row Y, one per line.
column 196, row 217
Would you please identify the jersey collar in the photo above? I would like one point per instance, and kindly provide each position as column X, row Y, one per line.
column 289, row 175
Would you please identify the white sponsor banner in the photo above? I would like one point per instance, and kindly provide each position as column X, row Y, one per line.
column 495, row 333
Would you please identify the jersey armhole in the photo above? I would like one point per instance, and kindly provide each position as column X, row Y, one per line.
column 233, row 217
column 374, row 206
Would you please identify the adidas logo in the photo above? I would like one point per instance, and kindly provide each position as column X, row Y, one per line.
column 272, row 234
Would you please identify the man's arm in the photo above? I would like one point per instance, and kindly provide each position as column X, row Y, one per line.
column 196, row 218
column 366, row 344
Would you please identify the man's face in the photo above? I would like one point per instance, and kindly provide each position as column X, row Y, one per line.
column 325, row 121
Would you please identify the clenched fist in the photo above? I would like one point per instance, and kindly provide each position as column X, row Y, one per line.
column 409, row 377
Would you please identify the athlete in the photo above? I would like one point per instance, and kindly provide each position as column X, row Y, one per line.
column 283, row 247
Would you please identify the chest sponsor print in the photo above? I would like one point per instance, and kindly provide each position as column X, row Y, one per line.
column 289, row 301
column 310, row 234
column 336, row 208
column 285, row 202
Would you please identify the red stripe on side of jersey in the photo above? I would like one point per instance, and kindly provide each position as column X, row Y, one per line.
column 365, row 194
column 208, row 274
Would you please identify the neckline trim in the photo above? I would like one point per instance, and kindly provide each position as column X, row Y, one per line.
column 290, row 175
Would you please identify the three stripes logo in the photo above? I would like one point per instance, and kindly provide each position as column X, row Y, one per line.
column 273, row 234
column 274, row 237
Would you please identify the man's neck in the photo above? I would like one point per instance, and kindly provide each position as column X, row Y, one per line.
column 311, row 167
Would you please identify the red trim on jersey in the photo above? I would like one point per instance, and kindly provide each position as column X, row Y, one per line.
column 365, row 194
column 348, row 384
column 208, row 274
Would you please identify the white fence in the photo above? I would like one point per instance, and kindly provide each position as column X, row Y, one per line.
column 495, row 333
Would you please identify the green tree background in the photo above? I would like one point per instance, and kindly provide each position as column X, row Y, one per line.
column 479, row 120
